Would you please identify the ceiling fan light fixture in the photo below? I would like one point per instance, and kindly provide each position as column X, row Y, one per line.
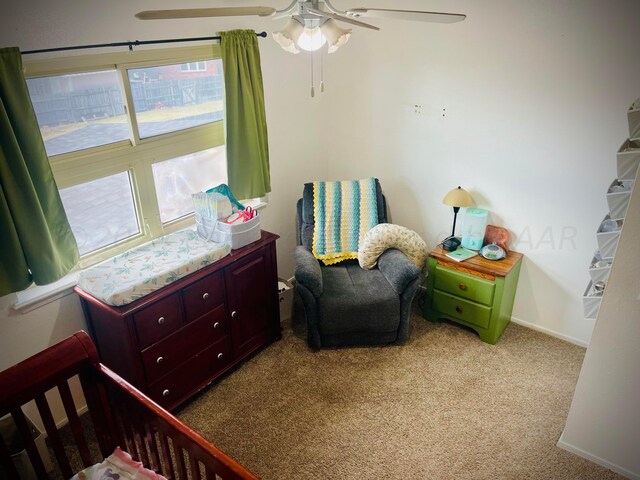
column 336, row 36
column 311, row 39
column 288, row 37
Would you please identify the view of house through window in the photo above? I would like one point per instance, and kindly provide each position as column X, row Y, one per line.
column 168, row 98
column 130, row 142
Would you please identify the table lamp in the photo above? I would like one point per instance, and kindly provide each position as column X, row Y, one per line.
column 456, row 198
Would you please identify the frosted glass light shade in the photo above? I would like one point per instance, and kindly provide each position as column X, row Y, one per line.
column 288, row 36
column 335, row 35
column 311, row 39
column 458, row 197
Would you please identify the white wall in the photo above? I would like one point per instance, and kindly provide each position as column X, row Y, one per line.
column 603, row 423
column 523, row 104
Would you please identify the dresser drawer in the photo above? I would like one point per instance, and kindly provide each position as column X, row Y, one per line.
column 158, row 320
column 203, row 296
column 188, row 377
column 465, row 310
column 464, row 285
column 164, row 356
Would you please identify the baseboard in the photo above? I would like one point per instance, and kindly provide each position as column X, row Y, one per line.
column 595, row 459
column 548, row 331
column 81, row 411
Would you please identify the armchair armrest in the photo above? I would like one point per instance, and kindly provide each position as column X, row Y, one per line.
column 307, row 270
column 397, row 269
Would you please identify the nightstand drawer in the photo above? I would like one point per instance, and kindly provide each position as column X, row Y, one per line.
column 464, row 285
column 465, row 310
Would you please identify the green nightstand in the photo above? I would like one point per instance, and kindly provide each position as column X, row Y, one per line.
column 478, row 293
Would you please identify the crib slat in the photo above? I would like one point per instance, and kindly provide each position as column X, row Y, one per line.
column 167, row 470
column 53, row 435
column 6, row 462
column 179, row 453
column 99, row 412
column 153, row 448
column 74, row 422
column 32, row 450
column 140, row 435
column 194, row 467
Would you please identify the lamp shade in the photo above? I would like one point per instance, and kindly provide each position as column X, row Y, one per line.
column 289, row 35
column 458, row 197
column 336, row 36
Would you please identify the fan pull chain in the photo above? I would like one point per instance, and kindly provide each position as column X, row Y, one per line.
column 313, row 90
column 322, row 72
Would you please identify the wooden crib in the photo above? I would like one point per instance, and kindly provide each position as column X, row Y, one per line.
column 119, row 414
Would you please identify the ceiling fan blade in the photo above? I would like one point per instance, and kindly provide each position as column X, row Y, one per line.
column 340, row 18
column 205, row 12
column 413, row 15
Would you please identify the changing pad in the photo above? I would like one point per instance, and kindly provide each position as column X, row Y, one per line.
column 144, row 269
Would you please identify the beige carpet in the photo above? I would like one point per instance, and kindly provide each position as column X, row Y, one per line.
column 443, row 406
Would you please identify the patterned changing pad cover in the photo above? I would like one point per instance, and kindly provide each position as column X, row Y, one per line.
column 144, row 269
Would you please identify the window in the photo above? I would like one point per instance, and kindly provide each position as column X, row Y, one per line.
column 193, row 67
column 130, row 136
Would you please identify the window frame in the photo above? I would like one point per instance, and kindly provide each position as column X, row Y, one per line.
column 135, row 155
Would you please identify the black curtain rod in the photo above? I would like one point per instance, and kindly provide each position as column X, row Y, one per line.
column 132, row 44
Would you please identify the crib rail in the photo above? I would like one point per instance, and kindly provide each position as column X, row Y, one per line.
column 119, row 414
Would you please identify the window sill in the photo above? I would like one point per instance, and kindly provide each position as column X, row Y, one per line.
column 38, row 296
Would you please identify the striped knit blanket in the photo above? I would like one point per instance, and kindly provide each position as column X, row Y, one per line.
column 343, row 213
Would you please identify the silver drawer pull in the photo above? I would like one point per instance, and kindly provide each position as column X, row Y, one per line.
column 205, row 295
column 159, row 360
column 233, row 314
column 219, row 355
column 165, row 393
column 160, row 320
column 216, row 325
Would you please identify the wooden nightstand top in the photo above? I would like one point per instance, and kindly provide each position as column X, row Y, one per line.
column 479, row 264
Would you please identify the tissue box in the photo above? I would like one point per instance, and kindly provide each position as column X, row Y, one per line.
column 236, row 234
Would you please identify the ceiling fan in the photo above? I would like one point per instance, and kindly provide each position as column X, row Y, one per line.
column 312, row 24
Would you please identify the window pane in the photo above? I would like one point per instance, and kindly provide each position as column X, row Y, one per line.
column 101, row 212
column 169, row 98
column 176, row 179
column 78, row 111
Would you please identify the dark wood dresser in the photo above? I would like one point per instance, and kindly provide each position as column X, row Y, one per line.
column 175, row 341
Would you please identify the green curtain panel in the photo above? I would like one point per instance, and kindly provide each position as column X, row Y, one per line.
column 36, row 242
column 246, row 123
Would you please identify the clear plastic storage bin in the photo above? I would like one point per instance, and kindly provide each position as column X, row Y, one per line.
column 628, row 159
column 618, row 196
column 608, row 235
column 591, row 301
column 600, row 268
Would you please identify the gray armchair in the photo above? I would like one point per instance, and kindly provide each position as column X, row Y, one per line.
column 345, row 304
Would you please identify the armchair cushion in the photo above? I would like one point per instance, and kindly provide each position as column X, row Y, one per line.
column 357, row 301
column 308, row 271
column 398, row 269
